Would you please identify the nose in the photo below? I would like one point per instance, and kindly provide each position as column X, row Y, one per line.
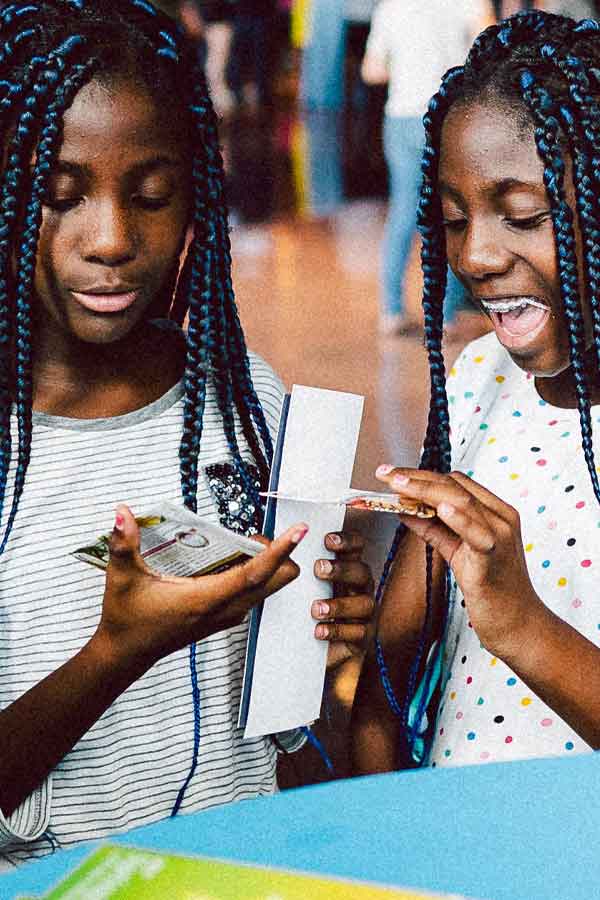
column 481, row 252
column 110, row 237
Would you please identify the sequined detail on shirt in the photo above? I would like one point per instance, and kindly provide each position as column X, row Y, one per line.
column 237, row 510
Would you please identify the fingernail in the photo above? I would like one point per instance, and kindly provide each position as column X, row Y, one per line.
column 400, row 481
column 325, row 567
column 384, row 470
column 299, row 534
column 335, row 539
column 119, row 522
column 322, row 609
column 322, row 632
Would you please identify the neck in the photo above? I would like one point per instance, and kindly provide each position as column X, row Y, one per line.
column 79, row 380
column 560, row 390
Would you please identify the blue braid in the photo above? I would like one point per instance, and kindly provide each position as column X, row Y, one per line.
column 16, row 173
column 47, row 152
column 547, row 136
column 584, row 137
column 437, row 450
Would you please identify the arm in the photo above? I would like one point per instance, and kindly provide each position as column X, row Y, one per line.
column 375, row 734
column 375, row 68
column 562, row 667
column 43, row 725
column 145, row 616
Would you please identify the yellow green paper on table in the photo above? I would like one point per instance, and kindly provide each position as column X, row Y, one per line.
column 123, row 873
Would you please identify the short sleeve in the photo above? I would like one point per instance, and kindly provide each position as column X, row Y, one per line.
column 269, row 390
column 30, row 820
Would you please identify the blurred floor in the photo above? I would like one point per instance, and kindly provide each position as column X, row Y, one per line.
column 305, row 243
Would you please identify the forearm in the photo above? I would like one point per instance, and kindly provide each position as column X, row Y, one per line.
column 563, row 668
column 375, row 730
column 43, row 725
column 377, row 738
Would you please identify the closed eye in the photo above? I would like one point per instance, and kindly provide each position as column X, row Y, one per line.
column 529, row 222
column 152, row 203
column 454, row 224
column 62, row 204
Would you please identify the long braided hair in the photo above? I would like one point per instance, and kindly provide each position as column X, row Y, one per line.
column 545, row 69
column 49, row 49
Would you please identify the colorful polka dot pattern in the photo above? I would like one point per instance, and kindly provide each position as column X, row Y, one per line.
column 528, row 453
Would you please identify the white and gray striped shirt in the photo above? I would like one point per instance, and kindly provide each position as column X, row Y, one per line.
column 128, row 769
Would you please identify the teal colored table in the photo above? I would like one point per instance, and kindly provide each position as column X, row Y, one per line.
column 516, row 831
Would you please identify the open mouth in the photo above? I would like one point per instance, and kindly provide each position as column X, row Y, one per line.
column 518, row 318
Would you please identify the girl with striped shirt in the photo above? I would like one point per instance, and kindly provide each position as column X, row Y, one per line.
column 119, row 694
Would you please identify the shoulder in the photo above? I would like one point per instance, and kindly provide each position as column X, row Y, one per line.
column 266, row 380
column 482, row 362
column 481, row 374
column 269, row 388
column 382, row 14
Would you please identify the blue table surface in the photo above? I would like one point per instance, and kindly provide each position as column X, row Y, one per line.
column 512, row 831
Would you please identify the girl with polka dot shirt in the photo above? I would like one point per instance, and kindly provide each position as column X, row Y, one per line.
column 488, row 643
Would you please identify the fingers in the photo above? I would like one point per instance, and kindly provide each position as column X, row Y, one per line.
column 433, row 487
column 125, row 543
column 346, row 543
column 443, row 538
column 348, row 633
column 352, row 575
column 271, row 569
column 356, row 608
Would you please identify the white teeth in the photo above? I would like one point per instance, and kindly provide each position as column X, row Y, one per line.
column 506, row 306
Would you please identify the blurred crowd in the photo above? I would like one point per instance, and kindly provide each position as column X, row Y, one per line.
column 249, row 46
column 338, row 89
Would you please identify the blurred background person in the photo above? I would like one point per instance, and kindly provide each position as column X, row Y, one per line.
column 250, row 67
column 331, row 27
column 210, row 23
column 410, row 45
column 576, row 9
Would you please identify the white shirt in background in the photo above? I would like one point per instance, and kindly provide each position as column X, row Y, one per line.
column 417, row 42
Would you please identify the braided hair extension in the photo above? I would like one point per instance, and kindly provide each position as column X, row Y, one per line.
column 545, row 69
column 49, row 49
column 16, row 178
column 547, row 136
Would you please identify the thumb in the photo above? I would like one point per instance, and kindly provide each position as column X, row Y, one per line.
column 125, row 542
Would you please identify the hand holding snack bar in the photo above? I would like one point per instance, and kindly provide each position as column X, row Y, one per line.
column 147, row 614
column 479, row 536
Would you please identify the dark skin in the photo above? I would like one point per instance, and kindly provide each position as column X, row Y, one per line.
column 500, row 244
column 112, row 233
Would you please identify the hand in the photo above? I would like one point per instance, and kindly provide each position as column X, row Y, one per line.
column 347, row 620
column 479, row 536
column 147, row 615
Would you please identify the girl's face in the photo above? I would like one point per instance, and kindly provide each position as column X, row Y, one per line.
column 114, row 223
column 499, row 233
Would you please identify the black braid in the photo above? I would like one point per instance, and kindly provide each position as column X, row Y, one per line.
column 436, row 454
column 547, row 137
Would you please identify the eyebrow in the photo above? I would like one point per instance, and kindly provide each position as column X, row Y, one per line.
column 499, row 188
column 67, row 167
